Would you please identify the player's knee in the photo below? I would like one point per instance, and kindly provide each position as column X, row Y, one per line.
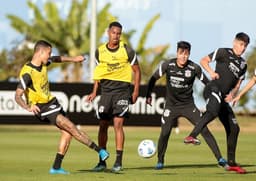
column 210, row 114
column 235, row 129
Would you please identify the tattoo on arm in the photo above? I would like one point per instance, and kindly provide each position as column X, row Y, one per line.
column 21, row 101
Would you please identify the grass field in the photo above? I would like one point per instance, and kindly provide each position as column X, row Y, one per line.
column 27, row 153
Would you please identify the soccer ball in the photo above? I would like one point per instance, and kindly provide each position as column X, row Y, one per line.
column 147, row 148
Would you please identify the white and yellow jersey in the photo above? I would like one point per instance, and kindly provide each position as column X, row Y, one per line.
column 115, row 64
column 34, row 80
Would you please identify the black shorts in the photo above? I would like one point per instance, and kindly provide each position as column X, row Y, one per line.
column 172, row 112
column 49, row 111
column 111, row 105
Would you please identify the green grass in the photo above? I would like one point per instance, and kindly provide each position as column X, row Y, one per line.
column 27, row 153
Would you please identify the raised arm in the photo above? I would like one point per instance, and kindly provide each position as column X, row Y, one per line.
column 57, row 59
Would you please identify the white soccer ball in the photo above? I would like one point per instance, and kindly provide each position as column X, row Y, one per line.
column 147, row 148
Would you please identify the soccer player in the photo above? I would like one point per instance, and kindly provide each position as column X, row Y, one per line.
column 116, row 62
column 34, row 85
column 180, row 76
column 226, row 79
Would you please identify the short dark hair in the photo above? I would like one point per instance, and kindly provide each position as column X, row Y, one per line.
column 243, row 37
column 41, row 43
column 184, row 45
column 115, row 23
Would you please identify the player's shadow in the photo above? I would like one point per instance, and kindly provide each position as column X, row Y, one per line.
column 166, row 167
column 105, row 171
column 188, row 166
column 184, row 166
column 176, row 166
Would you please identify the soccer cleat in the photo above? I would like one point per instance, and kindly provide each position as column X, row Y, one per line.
column 159, row 166
column 116, row 168
column 223, row 163
column 190, row 139
column 237, row 169
column 58, row 171
column 99, row 167
column 103, row 154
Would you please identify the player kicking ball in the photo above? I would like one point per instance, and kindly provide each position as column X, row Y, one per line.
column 34, row 85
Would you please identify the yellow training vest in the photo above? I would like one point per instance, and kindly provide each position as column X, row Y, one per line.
column 39, row 91
column 113, row 65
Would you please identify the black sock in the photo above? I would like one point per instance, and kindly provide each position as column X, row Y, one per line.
column 58, row 161
column 95, row 147
column 232, row 163
column 119, row 156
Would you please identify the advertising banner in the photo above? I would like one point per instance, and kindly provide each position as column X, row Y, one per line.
column 72, row 97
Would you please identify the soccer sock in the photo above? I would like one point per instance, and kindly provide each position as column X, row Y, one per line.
column 231, row 159
column 232, row 163
column 119, row 156
column 58, row 161
column 95, row 147
column 101, row 161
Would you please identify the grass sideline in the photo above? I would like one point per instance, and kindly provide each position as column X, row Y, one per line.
column 27, row 153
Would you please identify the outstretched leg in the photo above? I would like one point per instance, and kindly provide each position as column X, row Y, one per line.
column 65, row 124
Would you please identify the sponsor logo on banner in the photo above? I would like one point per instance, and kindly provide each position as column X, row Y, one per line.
column 76, row 103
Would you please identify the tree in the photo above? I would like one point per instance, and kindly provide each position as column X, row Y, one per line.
column 70, row 36
column 150, row 57
column 12, row 60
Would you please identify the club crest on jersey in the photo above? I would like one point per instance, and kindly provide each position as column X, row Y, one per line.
column 187, row 73
column 242, row 65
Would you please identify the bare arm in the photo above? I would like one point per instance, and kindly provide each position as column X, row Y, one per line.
column 137, row 78
column 18, row 98
column 57, row 59
column 205, row 64
column 229, row 97
column 93, row 94
column 247, row 87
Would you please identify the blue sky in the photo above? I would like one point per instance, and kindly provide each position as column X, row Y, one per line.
column 207, row 24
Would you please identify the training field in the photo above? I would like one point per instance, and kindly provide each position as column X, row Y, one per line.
column 27, row 153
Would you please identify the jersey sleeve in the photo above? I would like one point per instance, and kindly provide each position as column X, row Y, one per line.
column 25, row 81
column 200, row 75
column 160, row 70
column 132, row 57
column 157, row 74
column 217, row 54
